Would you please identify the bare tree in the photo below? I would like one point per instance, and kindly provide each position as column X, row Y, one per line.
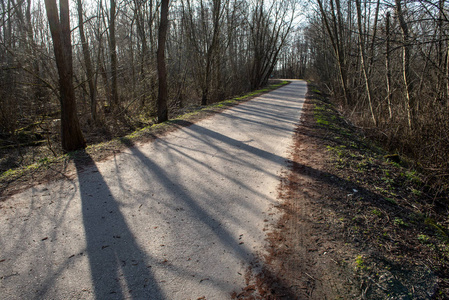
column 213, row 50
column 388, row 65
column 71, row 135
column 162, row 112
column 88, row 63
column 334, row 27
column 364, row 63
column 204, row 32
column 402, row 59
column 269, row 31
column 406, row 71
column 113, row 53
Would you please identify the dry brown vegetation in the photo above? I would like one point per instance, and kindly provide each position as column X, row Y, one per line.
column 356, row 222
column 386, row 65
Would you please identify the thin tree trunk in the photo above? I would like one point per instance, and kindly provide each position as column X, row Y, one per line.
column 145, row 53
column 363, row 62
column 162, row 112
column 447, row 74
column 388, row 66
column 373, row 40
column 113, row 55
column 211, row 51
column 88, row 62
column 441, row 50
column 406, row 64
column 333, row 35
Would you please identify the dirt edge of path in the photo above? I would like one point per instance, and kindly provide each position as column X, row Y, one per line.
column 354, row 224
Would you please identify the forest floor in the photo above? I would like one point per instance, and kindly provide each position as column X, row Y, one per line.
column 357, row 223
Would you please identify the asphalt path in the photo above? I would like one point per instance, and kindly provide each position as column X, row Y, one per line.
column 181, row 217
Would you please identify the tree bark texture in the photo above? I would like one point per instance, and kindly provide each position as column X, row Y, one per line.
column 71, row 135
column 162, row 112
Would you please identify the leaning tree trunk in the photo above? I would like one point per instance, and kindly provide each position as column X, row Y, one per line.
column 71, row 135
column 335, row 33
column 364, row 64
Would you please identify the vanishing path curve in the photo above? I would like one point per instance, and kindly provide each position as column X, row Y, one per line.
column 177, row 218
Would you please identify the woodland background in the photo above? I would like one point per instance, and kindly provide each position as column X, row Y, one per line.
column 214, row 50
column 384, row 62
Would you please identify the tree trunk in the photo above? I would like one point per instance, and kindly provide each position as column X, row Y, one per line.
column 441, row 50
column 113, row 55
column 162, row 113
column 334, row 33
column 447, row 74
column 363, row 62
column 406, row 64
column 388, row 66
column 71, row 135
column 211, row 51
column 139, row 15
column 88, row 62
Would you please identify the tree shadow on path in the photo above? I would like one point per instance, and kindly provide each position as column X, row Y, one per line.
column 119, row 267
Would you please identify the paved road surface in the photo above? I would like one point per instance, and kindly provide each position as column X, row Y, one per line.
column 177, row 218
